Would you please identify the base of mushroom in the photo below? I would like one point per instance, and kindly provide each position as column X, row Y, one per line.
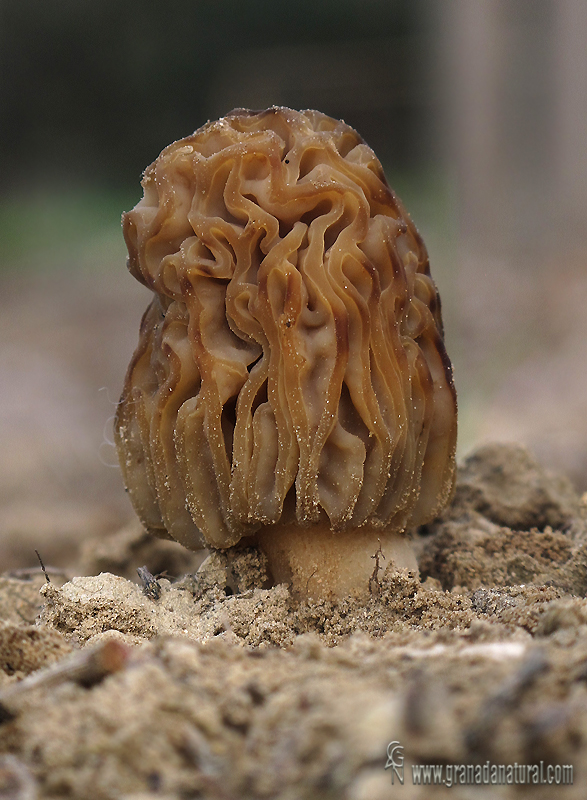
column 319, row 563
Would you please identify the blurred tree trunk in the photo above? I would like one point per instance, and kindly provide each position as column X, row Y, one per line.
column 515, row 89
column 474, row 112
column 571, row 113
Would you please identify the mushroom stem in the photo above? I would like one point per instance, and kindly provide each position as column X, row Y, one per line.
column 318, row 562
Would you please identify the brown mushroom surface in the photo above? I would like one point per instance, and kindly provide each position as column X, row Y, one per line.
column 291, row 385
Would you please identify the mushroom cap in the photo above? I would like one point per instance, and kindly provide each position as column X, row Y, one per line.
column 291, row 364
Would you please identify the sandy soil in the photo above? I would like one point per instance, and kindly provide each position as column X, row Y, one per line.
column 210, row 685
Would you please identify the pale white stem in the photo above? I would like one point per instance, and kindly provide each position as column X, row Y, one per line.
column 320, row 563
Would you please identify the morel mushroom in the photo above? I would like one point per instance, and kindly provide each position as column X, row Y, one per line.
column 291, row 387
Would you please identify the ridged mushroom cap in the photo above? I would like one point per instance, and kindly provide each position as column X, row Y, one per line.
column 291, row 363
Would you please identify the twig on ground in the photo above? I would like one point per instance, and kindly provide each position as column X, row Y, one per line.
column 309, row 579
column 43, row 567
column 374, row 579
column 86, row 668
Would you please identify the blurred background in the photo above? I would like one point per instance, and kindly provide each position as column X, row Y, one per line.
column 478, row 112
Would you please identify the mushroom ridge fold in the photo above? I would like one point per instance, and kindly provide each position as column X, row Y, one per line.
column 291, row 364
